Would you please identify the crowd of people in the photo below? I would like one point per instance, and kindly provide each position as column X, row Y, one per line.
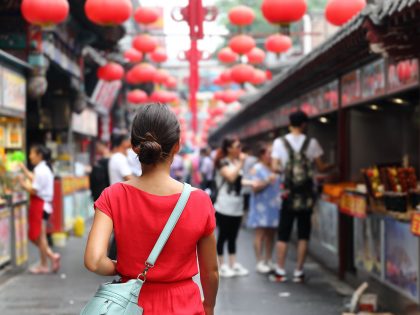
column 137, row 181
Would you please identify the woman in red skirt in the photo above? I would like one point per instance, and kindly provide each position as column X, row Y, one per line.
column 137, row 211
column 40, row 185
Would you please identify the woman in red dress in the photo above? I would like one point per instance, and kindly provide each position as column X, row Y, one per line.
column 137, row 211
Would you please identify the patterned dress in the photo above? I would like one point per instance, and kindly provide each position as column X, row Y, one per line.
column 265, row 205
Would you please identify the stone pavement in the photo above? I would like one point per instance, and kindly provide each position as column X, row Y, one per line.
column 66, row 292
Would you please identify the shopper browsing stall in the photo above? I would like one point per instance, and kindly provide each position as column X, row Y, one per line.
column 40, row 185
column 295, row 155
column 264, row 208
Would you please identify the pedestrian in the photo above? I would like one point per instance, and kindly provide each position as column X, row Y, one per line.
column 138, row 209
column 264, row 209
column 40, row 186
column 134, row 163
column 229, row 204
column 250, row 161
column 206, row 169
column 118, row 167
column 296, row 155
column 99, row 175
column 177, row 168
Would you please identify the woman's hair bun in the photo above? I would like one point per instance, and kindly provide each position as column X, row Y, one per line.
column 150, row 150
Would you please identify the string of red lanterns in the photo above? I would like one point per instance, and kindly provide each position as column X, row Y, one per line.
column 108, row 12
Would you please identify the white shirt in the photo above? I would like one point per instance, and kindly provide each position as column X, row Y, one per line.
column 43, row 183
column 118, row 168
column 280, row 152
column 134, row 162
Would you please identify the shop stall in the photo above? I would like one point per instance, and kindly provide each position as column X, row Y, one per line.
column 13, row 199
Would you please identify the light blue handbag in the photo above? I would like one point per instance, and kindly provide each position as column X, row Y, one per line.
column 122, row 298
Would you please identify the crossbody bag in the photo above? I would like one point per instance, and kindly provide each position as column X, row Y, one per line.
column 122, row 298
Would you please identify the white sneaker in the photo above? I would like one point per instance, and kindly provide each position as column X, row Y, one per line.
column 226, row 272
column 271, row 265
column 263, row 268
column 239, row 270
column 299, row 276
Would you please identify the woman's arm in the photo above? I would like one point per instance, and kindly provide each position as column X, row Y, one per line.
column 28, row 173
column 209, row 271
column 96, row 259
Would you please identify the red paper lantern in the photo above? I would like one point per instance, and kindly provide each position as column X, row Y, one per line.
column 108, row 12
column 145, row 43
column 218, row 95
column 171, row 83
column 143, row 72
column 159, row 55
column 229, row 96
column 161, row 76
column 146, row 15
column 278, row 43
column 111, row 72
column 242, row 44
column 404, row 71
column 242, row 73
column 268, row 75
column 226, row 55
column 133, row 55
column 339, row 12
column 259, row 77
column 256, row 56
column 284, row 11
column 241, row 15
column 137, row 97
column 226, row 76
column 45, row 12
column 163, row 96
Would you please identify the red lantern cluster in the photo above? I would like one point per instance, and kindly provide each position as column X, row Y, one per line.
column 163, row 96
column 137, row 97
column 108, row 12
column 145, row 43
column 278, row 43
column 339, row 12
column 133, row 55
column 141, row 73
column 171, row 83
column 241, row 15
column 242, row 73
column 242, row 44
column 284, row 11
column 226, row 55
column 45, row 12
column 111, row 72
column 161, row 76
column 146, row 15
column 159, row 55
column 259, row 77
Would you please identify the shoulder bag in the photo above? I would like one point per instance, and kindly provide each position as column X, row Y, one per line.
column 122, row 298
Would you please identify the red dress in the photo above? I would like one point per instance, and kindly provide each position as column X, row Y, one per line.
column 139, row 218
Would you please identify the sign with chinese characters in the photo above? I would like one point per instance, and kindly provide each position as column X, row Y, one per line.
column 85, row 123
column 13, row 86
column 415, row 224
column 373, row 79
column 351, row 88
column 403, row 74
column 353, row 204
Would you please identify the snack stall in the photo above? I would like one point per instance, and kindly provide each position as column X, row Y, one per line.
column 13, row 199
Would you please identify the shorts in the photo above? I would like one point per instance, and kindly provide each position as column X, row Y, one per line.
column 304, row 224
column 46, row 216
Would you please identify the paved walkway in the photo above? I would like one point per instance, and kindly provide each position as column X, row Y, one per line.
column 66, row 293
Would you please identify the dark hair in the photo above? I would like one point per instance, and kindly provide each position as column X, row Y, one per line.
column 155, row 131
column 117, row 139
column 223, row 151
column 262, row 149
column 44, row 152
column 298, row 119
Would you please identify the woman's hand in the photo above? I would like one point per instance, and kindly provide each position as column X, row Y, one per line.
column 208, row 310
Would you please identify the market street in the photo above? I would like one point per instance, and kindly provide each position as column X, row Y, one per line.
column 66, row 292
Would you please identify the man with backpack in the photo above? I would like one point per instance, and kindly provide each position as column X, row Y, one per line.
column 295, row 156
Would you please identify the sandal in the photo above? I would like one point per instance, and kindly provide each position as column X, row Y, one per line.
column 39, row 270
column 56, row 263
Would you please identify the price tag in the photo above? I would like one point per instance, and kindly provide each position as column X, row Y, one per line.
column 415, row 224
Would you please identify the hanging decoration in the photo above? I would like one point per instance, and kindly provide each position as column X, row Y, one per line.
column 133, row 55
column 145, row 43
column 259, row 77
column 284, row 12
column 241, row 16
column 111, row 72
column 227, row 55
column 278, row 43
column 339, row 12
column 45, row 12
column 161, row 76
column 159, row 55
column 242, row 44
column 137, row 97
column 256, row 56
column 143, row 72
column 171, row 83
column 242, row 73
column 146, row 15
column 108, row 12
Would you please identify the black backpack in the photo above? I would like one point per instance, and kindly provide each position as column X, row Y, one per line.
column 99, row 178
column 299, row 178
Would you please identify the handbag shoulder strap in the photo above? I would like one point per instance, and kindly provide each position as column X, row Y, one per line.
column 167, row 230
